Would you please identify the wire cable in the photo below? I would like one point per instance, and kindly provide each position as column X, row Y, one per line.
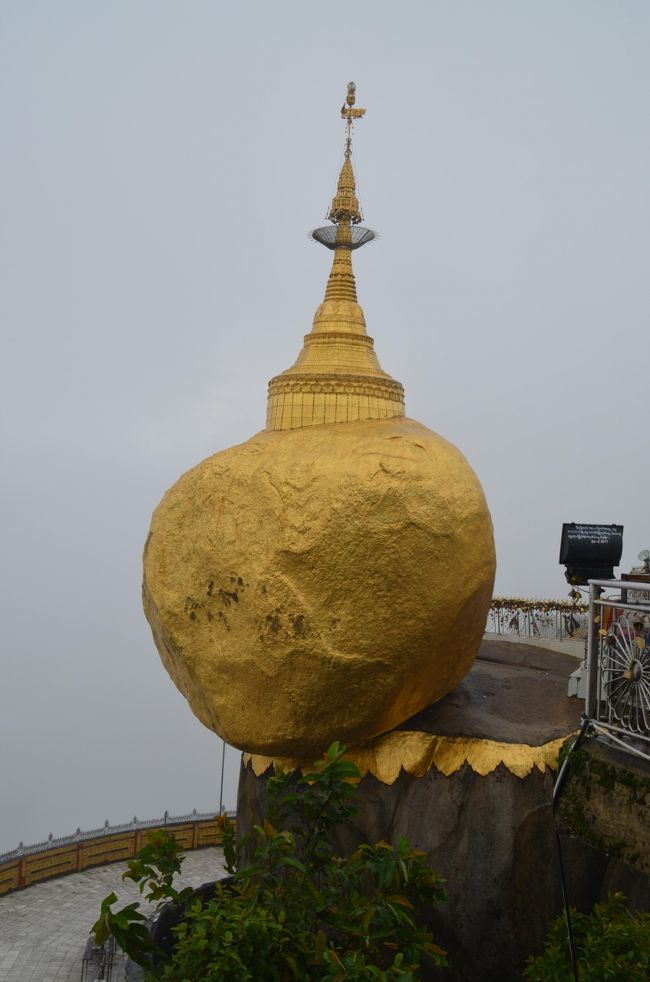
column 557, row 793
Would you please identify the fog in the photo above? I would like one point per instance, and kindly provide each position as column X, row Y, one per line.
column 161, row 164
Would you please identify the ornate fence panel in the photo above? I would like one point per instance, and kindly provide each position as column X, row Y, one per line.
column 618, row 664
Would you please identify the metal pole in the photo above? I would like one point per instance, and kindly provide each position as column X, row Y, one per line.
column 223, row 761
column 557, row 791
column 593, row 637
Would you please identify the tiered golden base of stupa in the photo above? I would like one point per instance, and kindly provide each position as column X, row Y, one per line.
column 310, row 400
column 337, row 377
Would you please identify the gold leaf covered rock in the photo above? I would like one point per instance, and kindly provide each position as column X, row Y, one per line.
column 320, row 583
column 331, row 576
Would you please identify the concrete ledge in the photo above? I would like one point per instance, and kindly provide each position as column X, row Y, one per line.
column 576, row 648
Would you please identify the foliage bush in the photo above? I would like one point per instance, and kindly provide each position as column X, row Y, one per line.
column 153, row 869
column 612, row 945
column 298, row 910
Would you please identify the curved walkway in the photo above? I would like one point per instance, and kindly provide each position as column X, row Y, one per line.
column 44, row 928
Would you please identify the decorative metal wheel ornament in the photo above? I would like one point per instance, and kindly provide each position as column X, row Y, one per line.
column 625, row 667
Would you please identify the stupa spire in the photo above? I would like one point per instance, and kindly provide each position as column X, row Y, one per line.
column 337, row 377
column 345, row 204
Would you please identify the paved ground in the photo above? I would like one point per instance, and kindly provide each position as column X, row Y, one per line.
column 44, row 928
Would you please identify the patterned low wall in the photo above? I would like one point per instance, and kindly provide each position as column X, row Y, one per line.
column 110, row 844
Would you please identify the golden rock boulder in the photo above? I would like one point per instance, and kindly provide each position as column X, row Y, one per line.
column 330, row 577
column 320, row 583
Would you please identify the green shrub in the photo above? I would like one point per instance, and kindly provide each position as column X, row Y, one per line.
column 153, row 869
column 612, row 945
column 299, row 910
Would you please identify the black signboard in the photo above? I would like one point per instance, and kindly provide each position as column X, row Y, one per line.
column 590, row 552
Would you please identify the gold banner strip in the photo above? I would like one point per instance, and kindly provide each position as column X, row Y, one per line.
column 416, row 753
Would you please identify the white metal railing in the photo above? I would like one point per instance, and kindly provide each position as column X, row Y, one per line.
column 618, row 663
column 559, row 620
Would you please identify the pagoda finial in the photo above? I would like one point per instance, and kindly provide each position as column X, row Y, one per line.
column 345, row 204
column 349, row 113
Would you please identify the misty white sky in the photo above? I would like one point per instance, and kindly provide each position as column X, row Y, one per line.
column 161, row 163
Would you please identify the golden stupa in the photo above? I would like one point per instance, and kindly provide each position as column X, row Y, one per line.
column 331, row 576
